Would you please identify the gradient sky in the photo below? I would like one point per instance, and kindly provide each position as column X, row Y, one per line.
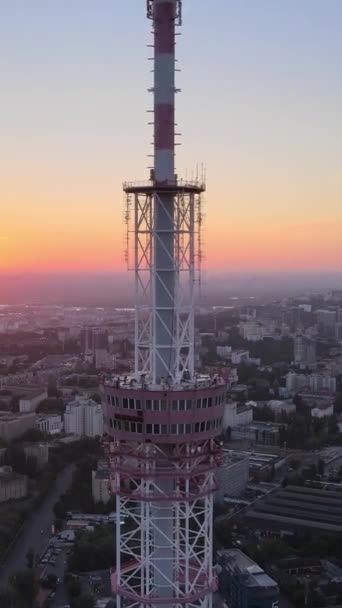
column 260, row 107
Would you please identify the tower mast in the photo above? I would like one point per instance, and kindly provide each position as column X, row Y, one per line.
column 164, row 421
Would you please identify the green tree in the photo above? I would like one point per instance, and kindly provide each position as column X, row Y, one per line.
column 23, row 585
column 60, row 510
column 15, row 457
column 83, row 601
column 295, row 463
column 222, row 533
column 93, row 550
column 73, row 586
column 33, row 435
column 264, row 414
column 9, row 599
column 321, row 466
column 268, row 551
column 51, row 405
column 338, row 403
column 50, row 582
column 30, row 558
column 96, row 397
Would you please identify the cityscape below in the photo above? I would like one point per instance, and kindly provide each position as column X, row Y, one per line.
column 277, row 506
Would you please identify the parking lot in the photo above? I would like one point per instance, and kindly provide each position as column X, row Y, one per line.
column 54, row 560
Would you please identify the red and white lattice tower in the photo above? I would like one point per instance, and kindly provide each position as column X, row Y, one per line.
column 164, row 421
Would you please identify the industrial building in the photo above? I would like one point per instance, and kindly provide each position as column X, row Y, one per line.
column 261, row 465
column 263, row 433
column 243, row 584
column 300, row 510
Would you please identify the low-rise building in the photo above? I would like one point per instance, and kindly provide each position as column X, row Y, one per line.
column 232, row 476
column 32, row 398
column 240, row 356
column 14, row 425
column 293, row 573
column 281, row 407
column 262, row 433
column 255, row 331
column 100, row 485
column 52, row 424
column 12, row 485
column 38, row 451
column 322, row 410
column 224, row 351
column 242, row 582
column 313, row 400
column 236, row 414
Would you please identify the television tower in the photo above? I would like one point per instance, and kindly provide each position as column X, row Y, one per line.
column 164, row 421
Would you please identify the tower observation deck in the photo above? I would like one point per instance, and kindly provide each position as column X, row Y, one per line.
column 164, row 421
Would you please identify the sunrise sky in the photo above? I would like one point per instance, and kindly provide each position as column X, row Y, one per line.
column 260, row 107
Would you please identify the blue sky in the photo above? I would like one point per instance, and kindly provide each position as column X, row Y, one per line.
column 260, row 106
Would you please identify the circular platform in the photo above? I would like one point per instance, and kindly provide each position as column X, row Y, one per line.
column 179, row 187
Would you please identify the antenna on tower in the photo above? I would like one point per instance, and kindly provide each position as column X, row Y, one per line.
column 164, row 421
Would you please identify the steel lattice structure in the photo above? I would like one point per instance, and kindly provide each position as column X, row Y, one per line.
column 164, row 422
column 187, row 219
column 187, row 549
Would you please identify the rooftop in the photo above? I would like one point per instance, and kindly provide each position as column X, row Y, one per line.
column 102, row 474
column 27, row 391
column 300, row 507
column 7, row 475
column 259, row 426
column 143, row 382
column 235, row 559
column 323, row 406
column 12, row 416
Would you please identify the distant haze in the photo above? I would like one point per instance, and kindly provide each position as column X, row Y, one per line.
column 117, row 288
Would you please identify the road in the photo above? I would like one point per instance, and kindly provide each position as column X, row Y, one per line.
column 40, row 520
column 61, row 596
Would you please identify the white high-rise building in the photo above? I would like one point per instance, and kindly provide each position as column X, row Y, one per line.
column 310, row 382
column 304, row 351
column 84, row 417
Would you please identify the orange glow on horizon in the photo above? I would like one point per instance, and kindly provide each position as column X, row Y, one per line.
column 94, row 246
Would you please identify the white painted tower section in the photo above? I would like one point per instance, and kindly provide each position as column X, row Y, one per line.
column 164, row 421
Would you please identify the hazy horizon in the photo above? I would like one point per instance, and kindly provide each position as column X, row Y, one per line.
column 116, row 288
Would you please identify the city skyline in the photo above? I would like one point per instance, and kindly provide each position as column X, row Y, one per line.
column 73, row 129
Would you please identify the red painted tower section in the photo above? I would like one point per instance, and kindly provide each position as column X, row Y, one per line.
column 164, row 421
